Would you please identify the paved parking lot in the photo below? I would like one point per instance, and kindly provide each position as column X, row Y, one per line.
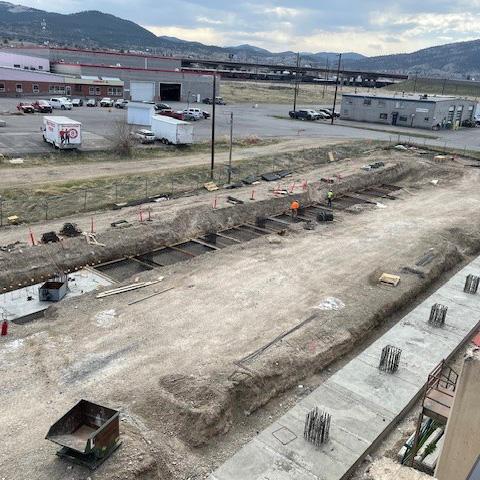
column 22, row 133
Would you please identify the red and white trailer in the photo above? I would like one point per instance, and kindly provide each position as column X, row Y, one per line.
column 62, row 132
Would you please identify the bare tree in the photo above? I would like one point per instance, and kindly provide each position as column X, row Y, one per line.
column 123, row 141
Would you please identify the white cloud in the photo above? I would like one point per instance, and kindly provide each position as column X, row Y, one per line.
column 282, row 12
column 209, row 21
column 203, row 35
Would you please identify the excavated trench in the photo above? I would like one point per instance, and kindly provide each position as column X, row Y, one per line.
column 150, row 244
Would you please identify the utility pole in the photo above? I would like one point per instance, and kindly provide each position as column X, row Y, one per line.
column 415, row 83
column 326, row 80
column 443, row 86
column 214, row 94
column 296, row 83
column 231, row 149
column 336, row 86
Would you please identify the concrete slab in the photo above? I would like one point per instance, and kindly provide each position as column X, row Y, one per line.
column 362, row 400
column 24, row 303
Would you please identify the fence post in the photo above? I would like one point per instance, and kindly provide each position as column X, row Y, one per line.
column 85, row 200
column 172, row 187
column 1, row 211
column 116, row 192
column 46, row 209
column 146, row 188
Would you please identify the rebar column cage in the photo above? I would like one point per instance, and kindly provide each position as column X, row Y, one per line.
column 390, row 359
column 317, row 427
column 471, row 284
column 438, row 314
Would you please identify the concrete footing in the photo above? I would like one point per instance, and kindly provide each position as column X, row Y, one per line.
column 364, row 402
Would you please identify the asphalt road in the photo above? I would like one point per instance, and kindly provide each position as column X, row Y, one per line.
column 22, row 133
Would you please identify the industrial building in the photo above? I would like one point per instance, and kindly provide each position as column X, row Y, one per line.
column 417, row 111
column 25, row 62
column 15, row 82
column 145, row 77
column 147, row 84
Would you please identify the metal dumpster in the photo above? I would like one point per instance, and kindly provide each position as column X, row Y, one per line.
column 52, row 291
column 88, row 433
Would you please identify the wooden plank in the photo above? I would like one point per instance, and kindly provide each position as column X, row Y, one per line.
column 177, row 249
column 126, row 288
column 236, row 240
column 205, row 244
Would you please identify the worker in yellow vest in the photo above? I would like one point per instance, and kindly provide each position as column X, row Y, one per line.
column 330, row 198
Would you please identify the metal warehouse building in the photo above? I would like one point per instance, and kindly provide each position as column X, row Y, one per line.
column 418, row 111
column 145, row 77
column 147, row 84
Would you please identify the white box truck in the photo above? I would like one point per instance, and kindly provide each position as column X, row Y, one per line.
column 172, row 131
column 62, row 132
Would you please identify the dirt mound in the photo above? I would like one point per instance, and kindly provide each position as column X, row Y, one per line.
column 195, row 408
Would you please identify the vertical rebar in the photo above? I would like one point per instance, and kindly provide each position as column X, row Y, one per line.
column 390, row 359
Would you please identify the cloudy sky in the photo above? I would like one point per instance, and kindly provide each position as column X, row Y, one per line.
column 371, row 27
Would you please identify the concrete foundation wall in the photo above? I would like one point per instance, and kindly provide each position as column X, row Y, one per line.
column 462, row 439
column 387, row 469
column 33, row 265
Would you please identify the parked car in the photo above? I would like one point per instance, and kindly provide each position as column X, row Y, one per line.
column 42, row 106
column 329, row 112
column 91, row 102
column 218, row 101
column 61, row 103
column 144, row 135
column 195, row 113
column 162, row 106
column 77, row 102
column 172, row 113
column 121, row 103
column 188, row 116
column 469, row 123
column 25, row 108
column 305, row 115
column 106, row 102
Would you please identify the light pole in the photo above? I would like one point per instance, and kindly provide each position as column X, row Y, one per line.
column 231, row 149
column 214, row 94
column 296, row 83
column 336, row 86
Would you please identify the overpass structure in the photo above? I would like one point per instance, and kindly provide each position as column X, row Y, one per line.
column 268, row 71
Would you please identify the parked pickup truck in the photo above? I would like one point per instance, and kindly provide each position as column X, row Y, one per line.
column 106, row 102
column 218, row 101
column 195, row 113
column 42, row 106
column 305, row 115
column 62, row 103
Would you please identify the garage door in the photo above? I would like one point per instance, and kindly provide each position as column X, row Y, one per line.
column 170, row 92
column 142, row 91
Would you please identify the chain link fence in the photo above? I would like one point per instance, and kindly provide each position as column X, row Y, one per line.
column 36, row 206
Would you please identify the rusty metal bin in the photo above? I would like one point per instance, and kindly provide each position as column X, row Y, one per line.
column 88, row 433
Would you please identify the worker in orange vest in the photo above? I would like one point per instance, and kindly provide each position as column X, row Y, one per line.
column 294, row 208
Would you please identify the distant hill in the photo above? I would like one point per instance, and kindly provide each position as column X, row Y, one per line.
column 461, row 57
column 95, row 29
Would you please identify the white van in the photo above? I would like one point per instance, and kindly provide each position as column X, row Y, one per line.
column 196, row 113
column 62, row 103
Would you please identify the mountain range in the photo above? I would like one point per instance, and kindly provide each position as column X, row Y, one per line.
column 95, row 29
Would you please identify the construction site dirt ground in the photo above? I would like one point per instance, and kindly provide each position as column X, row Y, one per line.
column 172, row 363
